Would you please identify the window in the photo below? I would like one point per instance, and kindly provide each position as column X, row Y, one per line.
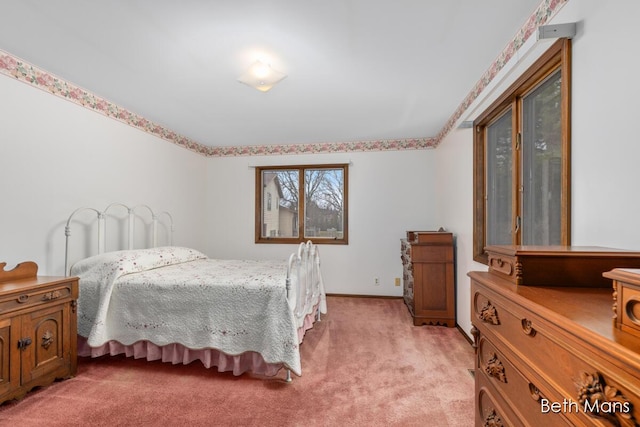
column 521, row 159
column 309, row 203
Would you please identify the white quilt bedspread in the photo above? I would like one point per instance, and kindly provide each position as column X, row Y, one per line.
column 178, row 295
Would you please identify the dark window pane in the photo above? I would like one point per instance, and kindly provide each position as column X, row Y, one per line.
column 542, row 161
column 499, row 175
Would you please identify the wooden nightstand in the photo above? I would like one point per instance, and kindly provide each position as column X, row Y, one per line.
column 38, row 329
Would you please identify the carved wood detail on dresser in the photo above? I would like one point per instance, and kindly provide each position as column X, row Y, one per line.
column 626, row 299
column 580, row 266
column 428, row 277
column 551, row 355
column 38, row 329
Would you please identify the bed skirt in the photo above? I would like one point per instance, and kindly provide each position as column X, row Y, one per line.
column 249, row 361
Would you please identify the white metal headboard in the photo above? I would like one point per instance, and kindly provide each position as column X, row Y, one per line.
column 102, row 228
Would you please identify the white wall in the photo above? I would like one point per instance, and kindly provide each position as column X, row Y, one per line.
column 389, row 193
column 455, row 201
column 605, row 152
column 56, row 156
column 605, row 114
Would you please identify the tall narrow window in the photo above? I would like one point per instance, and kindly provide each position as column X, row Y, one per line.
column 311, row 201
column 521, row 159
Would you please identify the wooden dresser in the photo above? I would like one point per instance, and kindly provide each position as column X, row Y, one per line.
column 428, row 277
column 551, row 355
column 38, row 329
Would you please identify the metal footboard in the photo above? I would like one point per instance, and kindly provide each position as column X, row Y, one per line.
column 304, row 285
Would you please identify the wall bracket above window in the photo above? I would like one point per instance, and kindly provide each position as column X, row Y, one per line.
column 556, row 31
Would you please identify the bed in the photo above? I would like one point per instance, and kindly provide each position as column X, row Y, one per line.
column 175, row 304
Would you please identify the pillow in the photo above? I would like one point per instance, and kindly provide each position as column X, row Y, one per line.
column 118, row 263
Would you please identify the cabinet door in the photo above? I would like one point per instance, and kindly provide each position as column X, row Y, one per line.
column 435, row 297
column 9, row 360
column 48, row 354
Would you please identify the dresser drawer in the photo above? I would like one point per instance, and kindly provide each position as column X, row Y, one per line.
column 35, row 296
column 493, row 319
column 523, row 396
column 491, row 409
column 431, row 254
column 555, row 360
column 503, row 265
column 439, row 237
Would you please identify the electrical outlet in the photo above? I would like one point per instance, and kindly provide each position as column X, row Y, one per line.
column 376, row 281
column 397, row 281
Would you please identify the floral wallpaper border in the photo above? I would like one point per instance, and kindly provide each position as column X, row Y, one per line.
column 14, row 67
column 541, row 16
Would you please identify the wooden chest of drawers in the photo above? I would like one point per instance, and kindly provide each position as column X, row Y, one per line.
column 38, row 329
column 429, row 286
column 551, row 356
column 580, row 266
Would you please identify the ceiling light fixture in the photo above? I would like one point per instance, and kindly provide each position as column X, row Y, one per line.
column 261, row 76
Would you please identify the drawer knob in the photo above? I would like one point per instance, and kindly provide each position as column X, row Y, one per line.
column 527, row 328
column 23, row 298
column 489, row 314
column 535, row 393
column 603, row 401
column 500, row 265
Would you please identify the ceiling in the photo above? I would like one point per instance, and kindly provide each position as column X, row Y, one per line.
column 357, row 70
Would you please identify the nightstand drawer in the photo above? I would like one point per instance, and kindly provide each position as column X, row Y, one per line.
column 35, row 296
